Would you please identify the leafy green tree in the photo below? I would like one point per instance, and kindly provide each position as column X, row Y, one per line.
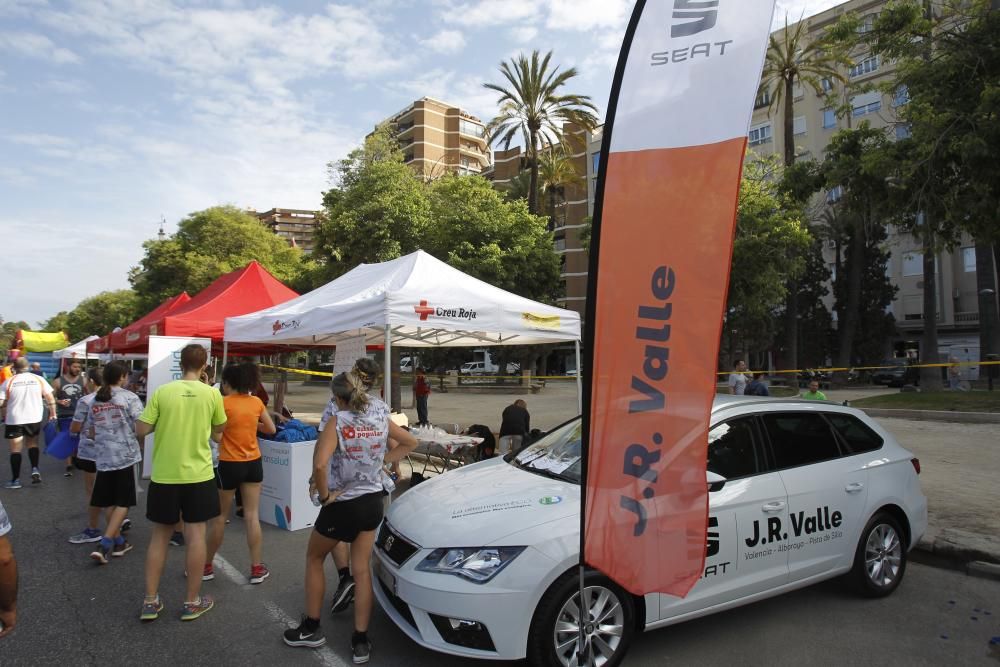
column 8, row 330
column 100, row 314
column 556, row 174
column 815, row 322
column 57, row 322
column 206, row 245
column 532, row 106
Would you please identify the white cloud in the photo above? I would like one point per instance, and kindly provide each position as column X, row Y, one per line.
column 798, row 9
column 485, row 13
column 524, row 33
column 63, row 86
column 445, row 41
column 465, row 90
column 34, row 45
column 41, row 140
column 587, row 14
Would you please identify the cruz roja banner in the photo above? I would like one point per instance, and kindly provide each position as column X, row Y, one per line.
column 663, row 228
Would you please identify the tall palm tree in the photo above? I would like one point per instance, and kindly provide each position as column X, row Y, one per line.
column 532, row 105
column 792, row 60
column 556, row 172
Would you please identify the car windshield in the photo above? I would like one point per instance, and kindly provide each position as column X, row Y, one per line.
column 557, row 454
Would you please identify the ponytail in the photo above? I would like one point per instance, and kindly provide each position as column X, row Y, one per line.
column 367, row 371
column 113, row 374
column 350, row 388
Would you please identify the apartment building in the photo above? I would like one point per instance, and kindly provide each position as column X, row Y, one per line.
column 297, row 226
column 438, row 138
column 815, row 123
column 571, row 210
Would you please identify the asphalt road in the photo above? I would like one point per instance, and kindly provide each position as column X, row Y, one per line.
column 73, row 611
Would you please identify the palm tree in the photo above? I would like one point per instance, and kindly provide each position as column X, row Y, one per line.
column 556, row 173
column 533, row 106
column 790, row 60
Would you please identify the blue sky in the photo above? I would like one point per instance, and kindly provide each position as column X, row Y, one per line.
column 115, row 112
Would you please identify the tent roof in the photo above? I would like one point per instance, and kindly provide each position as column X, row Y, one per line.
column 425, row 301
column 128, row 336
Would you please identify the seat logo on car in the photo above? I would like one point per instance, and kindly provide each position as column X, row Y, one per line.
column 824, row 520
column 550, row 500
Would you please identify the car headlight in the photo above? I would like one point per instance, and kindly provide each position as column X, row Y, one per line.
column 477, row 564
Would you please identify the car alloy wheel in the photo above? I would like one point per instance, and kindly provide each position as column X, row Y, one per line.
column 603, row 627
column 883, row 555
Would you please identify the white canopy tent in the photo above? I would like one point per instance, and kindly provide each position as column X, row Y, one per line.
column 415, row 301
column 79, row 351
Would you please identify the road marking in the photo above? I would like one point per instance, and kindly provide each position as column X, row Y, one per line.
column 324, row 653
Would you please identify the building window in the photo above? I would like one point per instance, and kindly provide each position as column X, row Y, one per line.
column 867, row 103
column 796, row 91
column 470, row 128
column 829, row 118
column 833, row 272
column 763, row 100
column 560, row 244
column 596, row 162
column 834, row 194
column 867, row 23
column 903, row 131
column 913, row 264
column 760, row 134
column 901, row 97
column 866, row 66
column 826, row 85
column 799, row 125
column 969, row 259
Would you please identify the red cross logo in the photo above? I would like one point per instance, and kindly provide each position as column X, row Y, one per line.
column 276, row 327
column 424, row 310
column 348, row 432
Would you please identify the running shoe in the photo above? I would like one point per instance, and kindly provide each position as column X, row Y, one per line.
column 120, row 550
column 151, row 610
column 86, row 536
column 69, row 471
column 177, row 539
column 193, row 610
column 101, row 554
column 343, row 596
column 13, row 484
column 126, row 525
column 361, row 652
column 36, row 477
column 300, row 636
column 258, row 573
column 209, row 572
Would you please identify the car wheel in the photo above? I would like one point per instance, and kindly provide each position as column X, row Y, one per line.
column 609, row 623
column 880, row 560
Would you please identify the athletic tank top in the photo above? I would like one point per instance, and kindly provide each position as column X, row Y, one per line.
column 74, row 391
column 356, row 466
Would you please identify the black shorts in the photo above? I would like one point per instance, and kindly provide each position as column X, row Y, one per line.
column 169, row 503
column 84, row 464
column 11, row 431
column 233, row 473
column 344, row 520
column 114, row 488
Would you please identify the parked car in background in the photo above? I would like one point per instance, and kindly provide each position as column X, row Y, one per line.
column 478, row 368
column 897, row 372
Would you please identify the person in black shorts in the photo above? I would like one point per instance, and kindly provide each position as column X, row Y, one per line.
column 350, row 491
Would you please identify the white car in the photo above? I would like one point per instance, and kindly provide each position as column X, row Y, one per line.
column 482, row 561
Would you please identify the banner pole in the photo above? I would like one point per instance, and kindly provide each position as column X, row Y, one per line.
column 225, row 352
column 579, row 378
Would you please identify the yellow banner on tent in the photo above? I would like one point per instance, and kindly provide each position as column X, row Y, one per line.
column 40, row 341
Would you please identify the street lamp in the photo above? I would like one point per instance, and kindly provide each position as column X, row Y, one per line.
column 984, row 318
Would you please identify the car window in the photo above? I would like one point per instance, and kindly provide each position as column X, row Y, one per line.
column 731, row 451
column 858, row 435
column 800, row 438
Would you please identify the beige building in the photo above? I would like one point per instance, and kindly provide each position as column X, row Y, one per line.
column 438, row 138
column 297, row 226
column 815, row 123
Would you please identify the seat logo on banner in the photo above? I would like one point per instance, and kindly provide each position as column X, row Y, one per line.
column 700, row 14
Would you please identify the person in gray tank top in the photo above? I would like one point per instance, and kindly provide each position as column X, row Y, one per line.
column 350, row 492
column 69, row 388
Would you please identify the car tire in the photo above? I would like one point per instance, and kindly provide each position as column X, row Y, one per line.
column 880, row 559
column 552, row 624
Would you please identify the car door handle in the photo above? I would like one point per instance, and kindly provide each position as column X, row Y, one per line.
column 775, row 506
column 854, row 487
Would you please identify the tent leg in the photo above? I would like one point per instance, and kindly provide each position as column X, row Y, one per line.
column 579, row 379
column 386, row 369
column 225, row 352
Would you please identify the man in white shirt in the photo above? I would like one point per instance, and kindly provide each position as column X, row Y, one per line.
column 23, row 398
column 738, row 378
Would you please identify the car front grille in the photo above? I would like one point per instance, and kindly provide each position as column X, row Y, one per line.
column 399, row 605
column 395, row 546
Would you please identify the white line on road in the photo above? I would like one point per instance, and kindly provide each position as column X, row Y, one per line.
column 324, row 653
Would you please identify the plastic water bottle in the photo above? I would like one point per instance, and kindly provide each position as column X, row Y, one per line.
column 315, row 498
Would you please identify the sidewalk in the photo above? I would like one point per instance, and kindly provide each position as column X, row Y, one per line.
column 960, row 462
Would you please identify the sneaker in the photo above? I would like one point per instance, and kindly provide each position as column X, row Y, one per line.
column 86, row 536
column 193, row 610
column 345, row 593
column 151, row 610
column 36, row 477
column 301, row 637
column 361, row 652
column 120, row 550
column 69, row 471
column 13, row 484
column 177, row 539
column 258, row 573
column 208, row 573
column 126, row 525
column 101, row 554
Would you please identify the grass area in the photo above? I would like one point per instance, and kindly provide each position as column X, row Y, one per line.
column 957, row 401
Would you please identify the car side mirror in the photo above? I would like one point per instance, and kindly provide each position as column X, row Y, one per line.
column 715, row 480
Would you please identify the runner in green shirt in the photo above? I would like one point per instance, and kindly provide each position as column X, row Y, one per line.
column 814, row 394
column 181, row 415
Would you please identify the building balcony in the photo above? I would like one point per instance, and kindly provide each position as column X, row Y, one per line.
column 967, row 318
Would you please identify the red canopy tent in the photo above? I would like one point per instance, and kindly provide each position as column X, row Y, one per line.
column 239, row 292
column 128, row 336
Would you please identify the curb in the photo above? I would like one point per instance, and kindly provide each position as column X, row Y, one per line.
column 950, row 551
column 934, row 415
